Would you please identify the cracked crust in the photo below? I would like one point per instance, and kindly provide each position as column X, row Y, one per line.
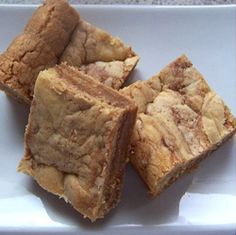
column 180, row 121
column 100, row 55
column 37, row 48
column 77, row 138
column 53, row 22
column 21, row 63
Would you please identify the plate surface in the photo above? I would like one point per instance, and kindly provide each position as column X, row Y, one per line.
column 202, row 201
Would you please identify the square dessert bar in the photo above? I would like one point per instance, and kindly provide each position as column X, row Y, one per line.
column 77, row 138
column 180, row 121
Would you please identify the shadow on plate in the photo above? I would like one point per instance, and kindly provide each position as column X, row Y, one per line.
column 213, row 170
column 60, row 211
column 136, row 75
column 136, row 206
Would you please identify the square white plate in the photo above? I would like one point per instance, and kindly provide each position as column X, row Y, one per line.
column 203, row 202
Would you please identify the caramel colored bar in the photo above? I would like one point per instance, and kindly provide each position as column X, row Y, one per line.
column 180, row 121
column 77, row 138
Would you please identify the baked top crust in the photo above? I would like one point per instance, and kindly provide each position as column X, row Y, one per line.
column 77, row 138
column 90, row 44
column 20, row 64
column 113, row 74
column 54, row 23
column 37, row 48
column 180, row 121
column 100, row 55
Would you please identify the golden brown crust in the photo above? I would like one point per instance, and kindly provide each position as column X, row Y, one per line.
column 100, row 55
column 54, row 23
column 90, row 44
column 77, row 138
column 37, row 48
column 112, row 74
column 180, row 121
column 21, row 63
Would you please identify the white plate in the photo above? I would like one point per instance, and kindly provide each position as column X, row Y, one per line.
column 203, row 201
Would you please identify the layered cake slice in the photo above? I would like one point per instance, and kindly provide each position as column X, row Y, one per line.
column 77, row 138
column 40, row 45
column 180, row 121
column 100, row 55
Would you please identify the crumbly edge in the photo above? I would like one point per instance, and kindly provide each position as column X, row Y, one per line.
column 181, row 170
column 120, row 159
column 94, row 88
column 15, row 93
column 102, row 71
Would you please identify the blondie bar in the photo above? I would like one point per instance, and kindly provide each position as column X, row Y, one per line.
column 77, row 138
column 180, row 121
